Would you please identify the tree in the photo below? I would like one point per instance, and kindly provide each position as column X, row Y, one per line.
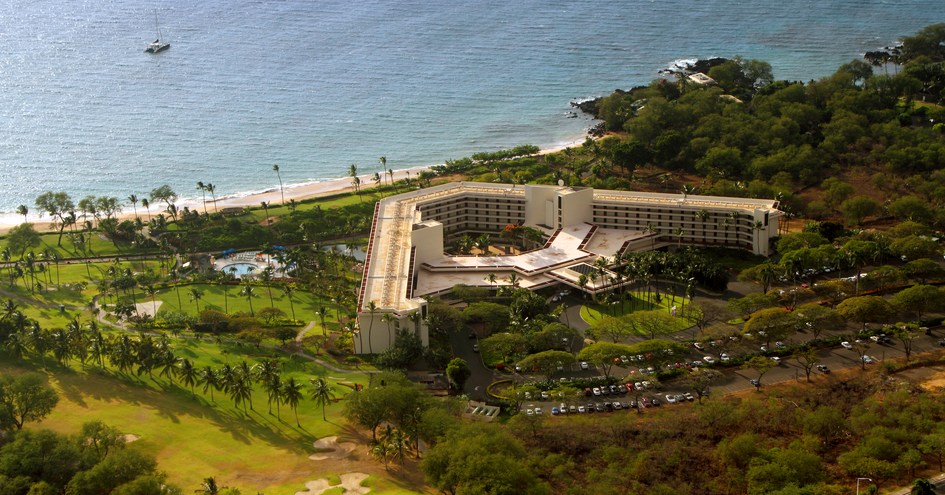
column 275, row 168
column 699, row 380
column 58, row 205
column 189, row 375
column 919, row 300
column 480, row 458
column 457, row 371
column 164, row 193
column 807, row 359
column 24, row 398
column 249, row 293
column 615, row 329
column 761, row 365
column 548, row 362
column 196, row 295
column 866, row 309
column 23, row 210
column 906, row 333
column 291, row 395
column 22, row 238
column 604, row 353
column 322, row 394
column 857, row 208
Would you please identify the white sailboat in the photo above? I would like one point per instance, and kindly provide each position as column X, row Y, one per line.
column 157, row 45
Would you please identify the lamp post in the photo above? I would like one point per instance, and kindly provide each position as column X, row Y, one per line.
column 858, row 484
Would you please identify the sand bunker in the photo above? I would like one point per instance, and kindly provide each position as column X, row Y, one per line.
column 329, row 448
column 130, row 437
column 148, row 308
column 351, row 482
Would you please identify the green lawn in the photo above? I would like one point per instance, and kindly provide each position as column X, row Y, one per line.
column 593, row 312
column 196, row 437
column 227, row 297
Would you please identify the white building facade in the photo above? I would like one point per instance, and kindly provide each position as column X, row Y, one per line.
column 406, row 260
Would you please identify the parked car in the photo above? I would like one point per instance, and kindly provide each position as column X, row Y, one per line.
column 555, row 411
column 941, row 342
column 671, row 398
column 656, row 402
column 596, row 391
column 545, row 396
column 708, row 360
column 538, row 411
column 776, row 360
column 869, row 359
column 846, row 345
column 823, row 368
column 629, row 387
column 617, row 406
column 724, row 358
column 475, row 347
column 755, row 382
column 698, row 345
column 600, row 407
column 529, row 412
column 584, row 365
column 573, row 409
column 581, row 409
column 689, row 397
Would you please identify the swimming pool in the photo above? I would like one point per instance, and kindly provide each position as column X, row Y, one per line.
column 239, row 270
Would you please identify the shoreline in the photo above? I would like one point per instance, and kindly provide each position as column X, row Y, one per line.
column 273, row 196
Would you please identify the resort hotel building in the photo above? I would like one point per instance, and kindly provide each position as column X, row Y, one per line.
column 406, row 259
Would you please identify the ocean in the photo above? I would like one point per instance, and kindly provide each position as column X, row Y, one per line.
column 317, row 85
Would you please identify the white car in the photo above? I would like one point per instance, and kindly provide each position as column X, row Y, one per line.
column 869, row 359
column 584, row 365
column 538, row 411
column 776, row 359
column 709, row 360
column 670, row 399
column 529, row 412
column 596, row 391
column 846, row 345
column 724, row 358
column 698, row 345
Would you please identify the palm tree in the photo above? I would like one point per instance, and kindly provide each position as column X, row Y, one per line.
column 249, row 293
column 212, row 190
column 322, row 313
column 266, row 277
column 210, row 381
column 383, row 161
column 704, row 216
column 513, row 279
column 687, row 189
column 22, row 210
column 377, row 179
column 291, row 395
column 188, row 374
column 203, row 192
column 147, row 206
column 265, row 206
column 356, row 182
column 372, row 308
column 389, row 318
column 209, row 487
column 288, row 291
column 322, row 394
column 275, row 168
column 195, row 296
column 241, row 391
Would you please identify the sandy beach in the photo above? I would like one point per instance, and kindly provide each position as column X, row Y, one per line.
column 297, row 192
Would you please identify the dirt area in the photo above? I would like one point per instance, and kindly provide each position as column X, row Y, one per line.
column 130, row 437
column 930, row 378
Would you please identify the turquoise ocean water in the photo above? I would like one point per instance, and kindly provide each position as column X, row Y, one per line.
column 316, row 85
